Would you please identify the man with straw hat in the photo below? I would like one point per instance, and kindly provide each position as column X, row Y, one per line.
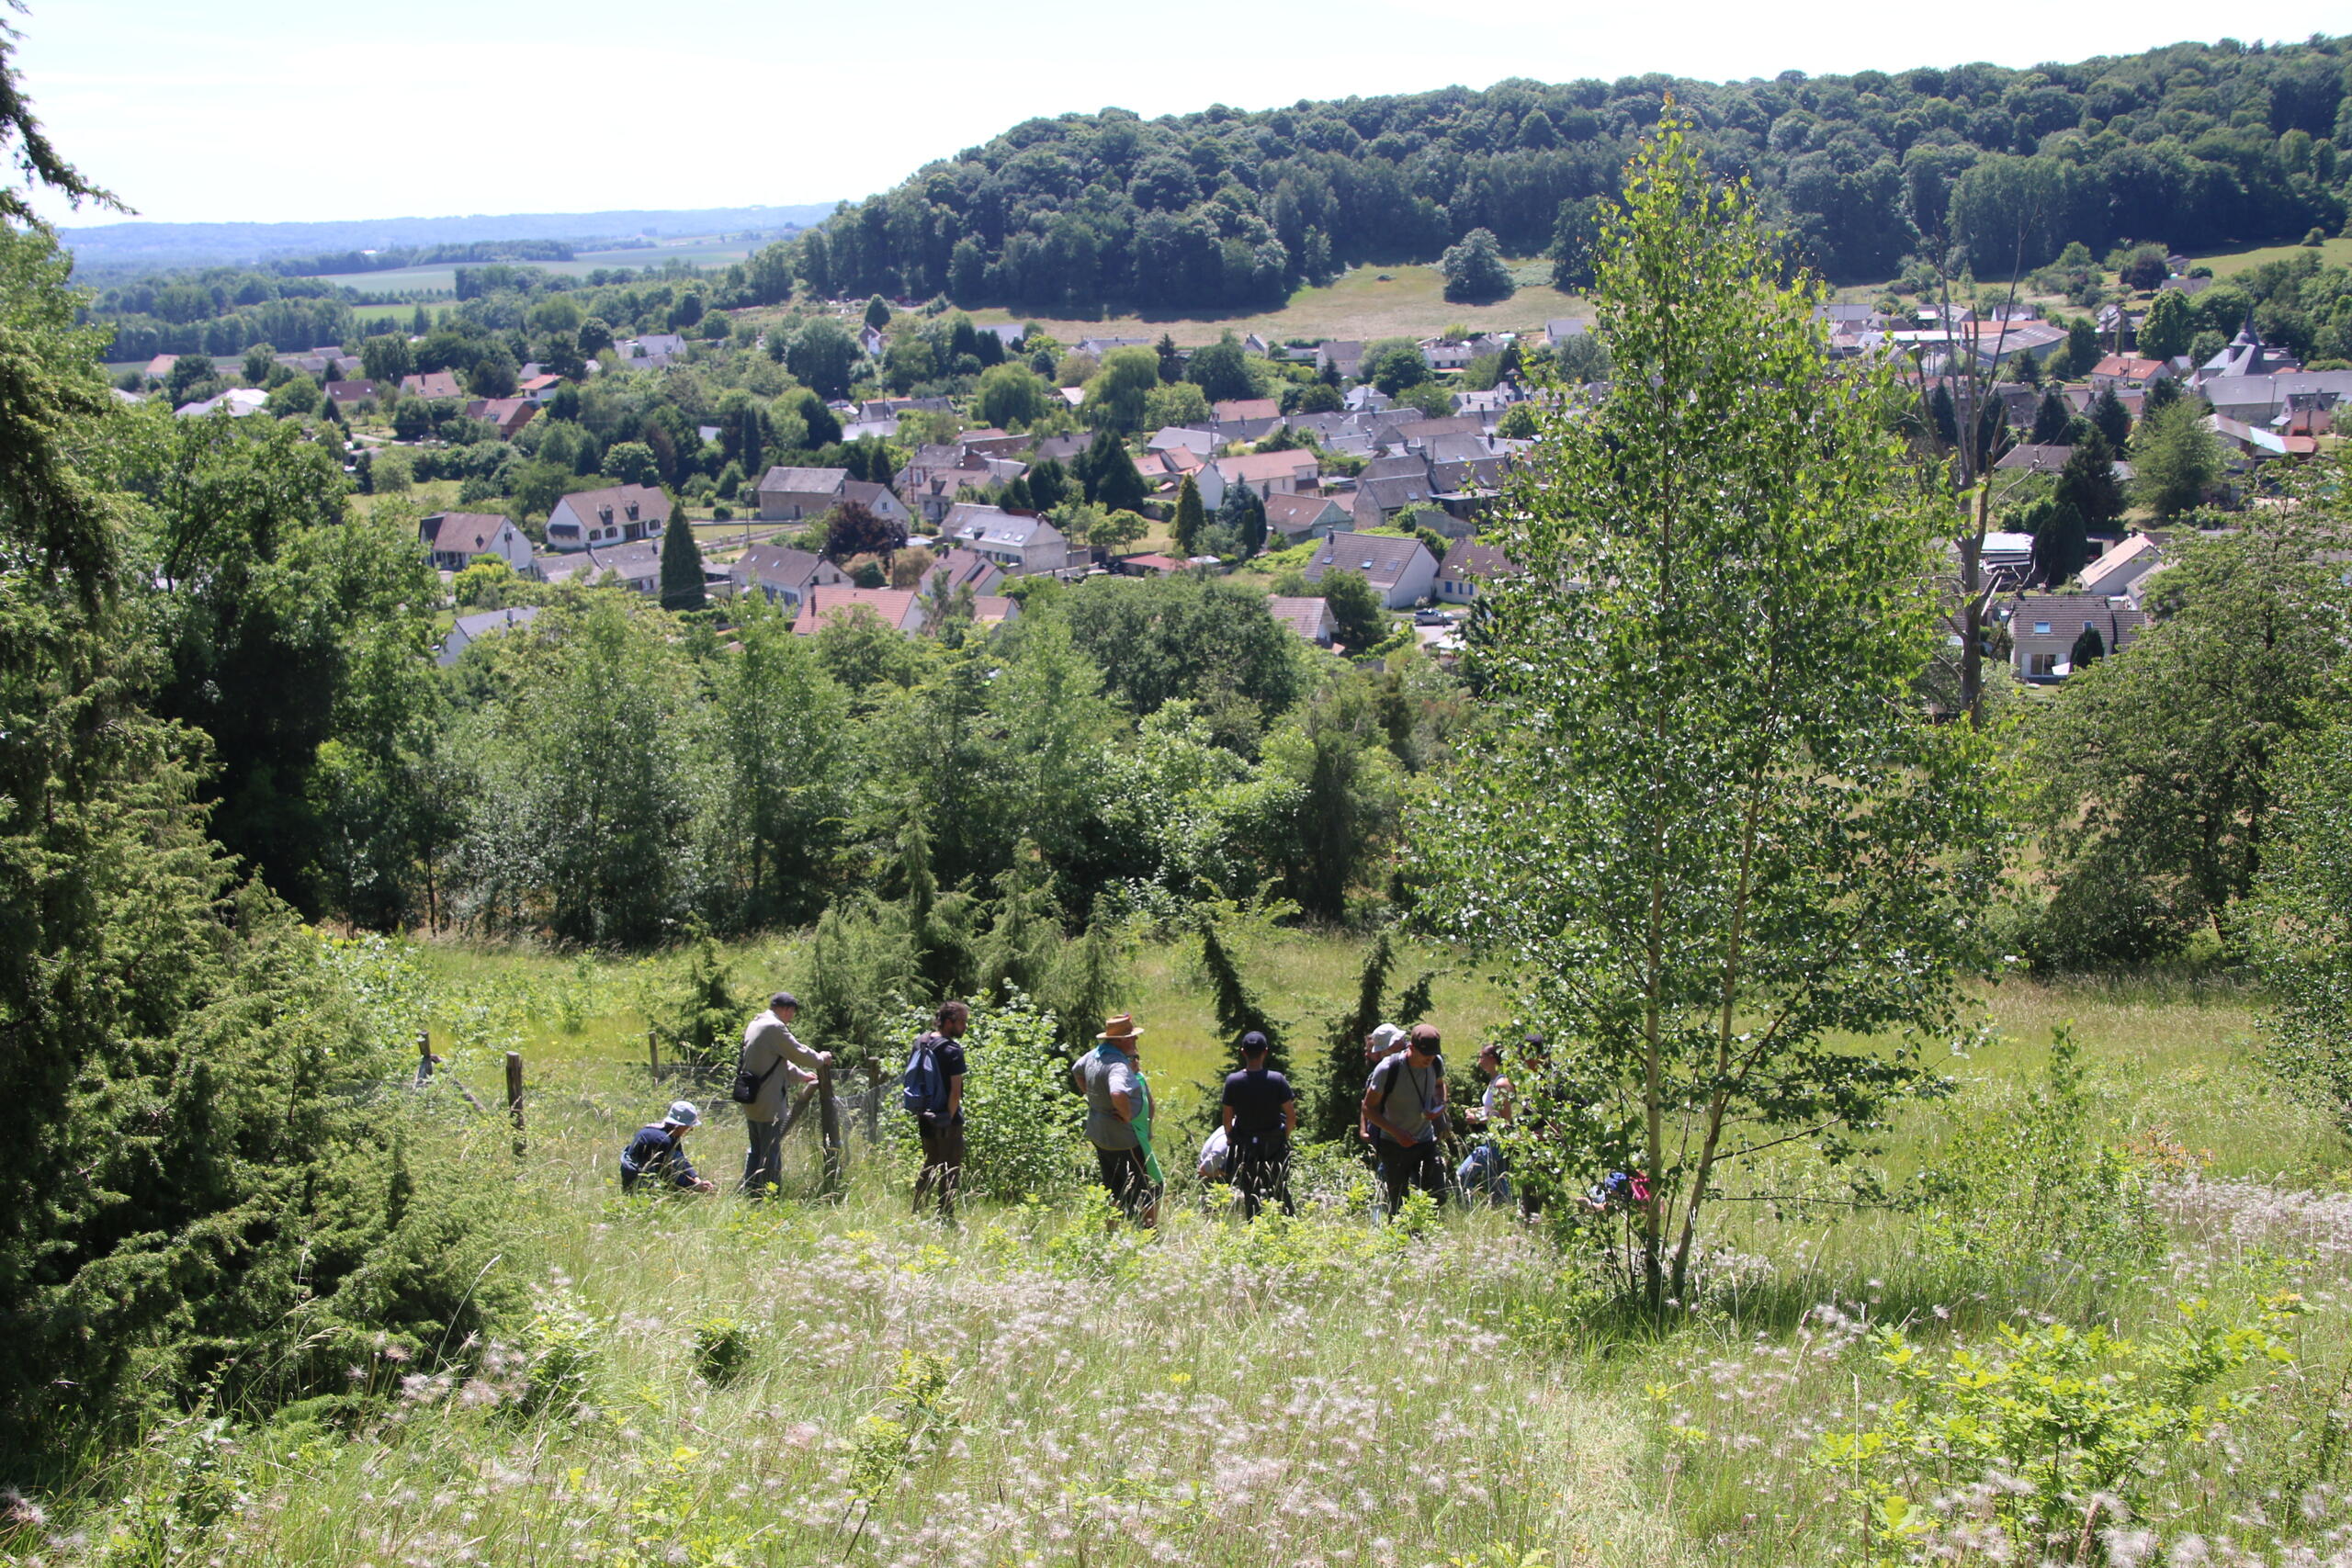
column 1118, row 1118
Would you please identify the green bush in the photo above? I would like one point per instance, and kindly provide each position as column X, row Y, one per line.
column 2044, row 1439
column 1023, row 1130
column 562, row 1347
column 724, row 1344
column 2034, row 1186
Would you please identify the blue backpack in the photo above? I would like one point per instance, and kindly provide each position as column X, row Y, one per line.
column 924, row 1087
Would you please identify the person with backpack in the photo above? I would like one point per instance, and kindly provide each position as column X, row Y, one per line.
column 772, row 1056
column 659, row 1153
column 1261, row 1112
column 1404, row 1103
column 931, row 1090
column 1384, row 1042
column 1118, row 1119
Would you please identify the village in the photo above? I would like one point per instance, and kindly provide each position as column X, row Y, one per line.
column 1392, row 486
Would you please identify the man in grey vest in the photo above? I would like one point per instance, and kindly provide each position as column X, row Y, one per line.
column 1118, row 1118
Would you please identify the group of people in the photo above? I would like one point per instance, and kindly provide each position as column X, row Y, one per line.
column 1404, row 1119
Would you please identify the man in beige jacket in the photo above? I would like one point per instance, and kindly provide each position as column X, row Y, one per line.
column 774, row 1056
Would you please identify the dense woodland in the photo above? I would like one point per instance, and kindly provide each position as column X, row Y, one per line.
column 2194, row 145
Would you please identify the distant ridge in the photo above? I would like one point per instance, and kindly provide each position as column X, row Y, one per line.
column 104, row 247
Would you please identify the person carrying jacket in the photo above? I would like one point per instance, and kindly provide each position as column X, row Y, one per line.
column 659, row 1153
column 932, row 1092
column 1118, row 1119
column 772, row 1056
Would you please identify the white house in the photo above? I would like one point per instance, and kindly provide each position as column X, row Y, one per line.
column 457, row 539
column 1022, row 546
column 1402, row 571
column 784, row 575
column 618, row 514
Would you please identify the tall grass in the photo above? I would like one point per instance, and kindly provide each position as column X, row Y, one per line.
column 709, row 1382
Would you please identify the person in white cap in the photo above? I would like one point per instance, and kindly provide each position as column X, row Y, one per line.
column 659, row 1152
column 1383, row 1043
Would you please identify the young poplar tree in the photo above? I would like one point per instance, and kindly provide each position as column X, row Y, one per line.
column 1706, row 818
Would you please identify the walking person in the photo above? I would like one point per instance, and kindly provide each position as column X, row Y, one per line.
column 1261, row 1114
column 1485, row 1173
column 932, row 1092
column 1384, row 1042
column 772, row 1057
column 1118, row 1119
column 1404, row 1103
column 658, row 1153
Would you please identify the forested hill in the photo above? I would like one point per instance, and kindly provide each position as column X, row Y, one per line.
column 2192, row 145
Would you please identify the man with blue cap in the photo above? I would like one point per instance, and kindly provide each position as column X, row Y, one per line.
column 659, row 1152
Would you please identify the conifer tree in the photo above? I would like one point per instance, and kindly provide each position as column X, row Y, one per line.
column 1239, row 1011
column 1191, row 518
column 682, row 582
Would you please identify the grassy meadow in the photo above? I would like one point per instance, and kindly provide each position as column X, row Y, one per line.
column 1362, row 303
column 706, row 1381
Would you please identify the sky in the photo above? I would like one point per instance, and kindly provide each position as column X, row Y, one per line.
column 279, row 110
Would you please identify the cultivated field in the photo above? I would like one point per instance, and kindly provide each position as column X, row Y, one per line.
column 442, row 279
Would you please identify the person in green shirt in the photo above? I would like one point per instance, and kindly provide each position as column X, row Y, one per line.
column 1118, row 1119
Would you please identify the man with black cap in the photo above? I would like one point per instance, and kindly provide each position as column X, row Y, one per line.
column 771, row 1055
column 1404, row 1103
column 1261, row 1114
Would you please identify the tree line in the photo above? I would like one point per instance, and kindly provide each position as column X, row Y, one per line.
column 2195, row 145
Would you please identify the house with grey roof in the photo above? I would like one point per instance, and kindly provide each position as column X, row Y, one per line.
column 2047, row 629
column 782, row 575
column 650, row 352
column 1022, row 546
column 1310, row 618
column 471, row 629
column 1295, row 517
column 1467, row 565
column 1378, row 502
column 787, row 495
column 1401, row 570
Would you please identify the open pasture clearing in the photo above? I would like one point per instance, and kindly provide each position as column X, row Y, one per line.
column 1363, row 303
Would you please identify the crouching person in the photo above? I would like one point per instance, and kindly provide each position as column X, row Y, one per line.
column 658, row 1153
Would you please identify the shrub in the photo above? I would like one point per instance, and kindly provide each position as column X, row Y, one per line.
column 561, row 1347
column 1024, row 1130
column 2023, row 1186
column 2045, row 1439
column 724, row 1344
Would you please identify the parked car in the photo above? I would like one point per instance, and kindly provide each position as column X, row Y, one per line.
column 1431, row 618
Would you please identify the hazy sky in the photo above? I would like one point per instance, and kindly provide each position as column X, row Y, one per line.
column 275, row 109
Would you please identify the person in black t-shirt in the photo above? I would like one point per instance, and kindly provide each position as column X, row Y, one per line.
column 1261, row 1113
column 940, row 1124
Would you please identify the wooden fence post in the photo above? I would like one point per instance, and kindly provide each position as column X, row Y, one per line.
column 424, row 1057
column 828, row 1127
column 873, row 1100
column 653, row 1054
column 514, row 1095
